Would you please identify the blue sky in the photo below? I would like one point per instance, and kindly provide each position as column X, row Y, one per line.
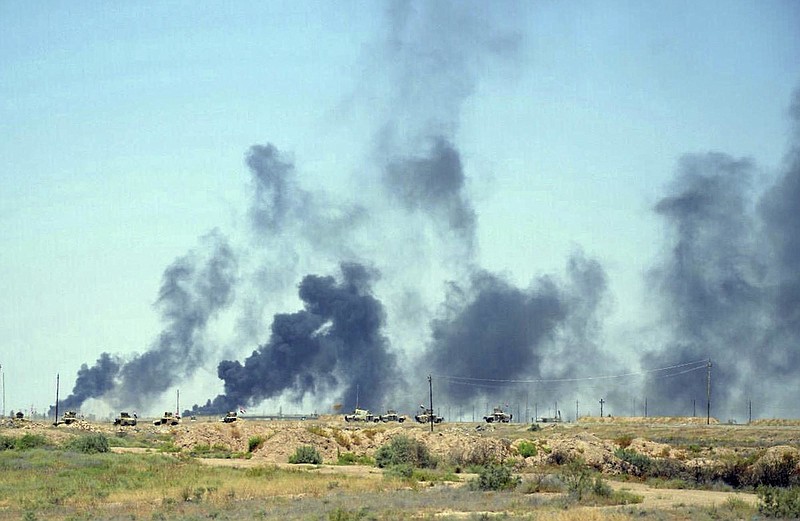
column 126, row 127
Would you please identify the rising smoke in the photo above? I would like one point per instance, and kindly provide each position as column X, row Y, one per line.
column 334, row 345
column 194, row 288
column 729, row 287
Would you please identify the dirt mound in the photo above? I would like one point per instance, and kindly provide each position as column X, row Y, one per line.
column 655, row 420
column 775, row 422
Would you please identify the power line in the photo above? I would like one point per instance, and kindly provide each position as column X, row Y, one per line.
column 496, row 382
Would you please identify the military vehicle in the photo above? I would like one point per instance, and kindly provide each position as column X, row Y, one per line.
column 361, row 415
column 498, row 416
column 125, row 420
column 69, row 417
column 20, row 415
column 230, row 417
column 392, row 416
column 427, row 416
column 168, row 419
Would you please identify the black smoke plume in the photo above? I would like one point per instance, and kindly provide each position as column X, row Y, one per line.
column 91, row 382
column 729, row 288
column 334, row 345
column 194, row 288
column 492, row 333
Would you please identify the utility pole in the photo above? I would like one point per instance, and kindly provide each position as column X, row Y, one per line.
column 55, row 421
column 750, row 412
column 3, row 376
column 576, row 411
column 694, row 407
column 708, row 394
column 430, row 389
column 602, row 401
column 178, row 402
column 645, row 406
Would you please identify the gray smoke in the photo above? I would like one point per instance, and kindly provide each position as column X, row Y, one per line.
column 334, row 345
column 491, row 333
column 91, row 382
column 729, row 288
column 435, row 183
column 195, row 287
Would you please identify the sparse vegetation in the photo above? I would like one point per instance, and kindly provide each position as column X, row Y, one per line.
column 495, row 477
column 403, row 450
column 306, row 454
column 527, row 449
column 254, row 443
column 779, row 502
column 89, row 444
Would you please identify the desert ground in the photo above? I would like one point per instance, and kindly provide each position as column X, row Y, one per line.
column 236, row 456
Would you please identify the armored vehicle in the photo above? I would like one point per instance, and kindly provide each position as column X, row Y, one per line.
column 168, row 419
column 392, row 416
column 498, row 416
column 427, row 416
column 125, row 420
column 230, row 417
column 69, row 417
column 361, row 415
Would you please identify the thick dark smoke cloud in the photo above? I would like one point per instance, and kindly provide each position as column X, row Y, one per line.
column 91, row 382
column 710, row 283
column 195, row 287
column 495, row 332
column 729, row 288
column 334, row 343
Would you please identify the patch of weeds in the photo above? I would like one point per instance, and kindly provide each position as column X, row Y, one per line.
column 89, row 444
column 527, row 449
column 254, row 443
column 624, row 441
column 404, row 450
column 349, row 458
column 495, row 477
column 318, row 430
column 306, row 454
column 640, row 462
column 779, row 502
column 342, row 439
column 341, row 514
column 168, row 446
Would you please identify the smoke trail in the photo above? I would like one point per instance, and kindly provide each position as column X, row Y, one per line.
column 492, row 330
column 710, row 284
column 91, row 382
column 334, row 345
column 435, row 183
column 193, row 290
column 195, row 287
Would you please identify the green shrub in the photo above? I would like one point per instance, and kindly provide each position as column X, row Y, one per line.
column 306, row 454
column 643, row 464
column 576, row 477
column 254, row 443
column 776, row 473
column 404, row 450
column 348, row 458
column 30, row 441
column 89, row 444
column 495, row 477
column 401, row 470
column 624, row 441
column 779, row 502
column 527, row 449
